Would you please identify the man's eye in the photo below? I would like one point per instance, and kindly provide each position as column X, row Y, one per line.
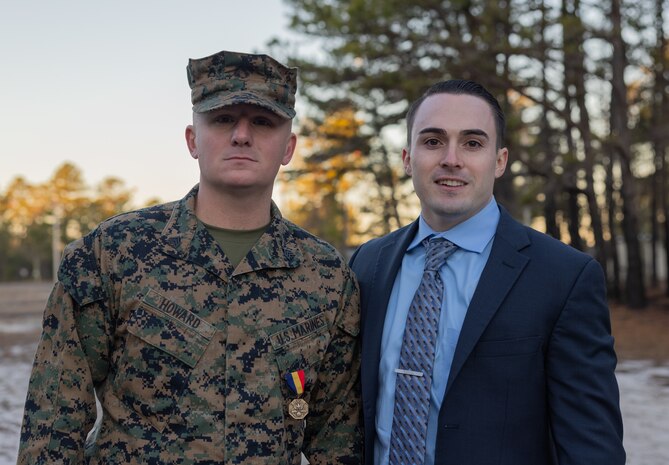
column 432, row 142
column 262, row 121
column 223, row 119
column 473, row 144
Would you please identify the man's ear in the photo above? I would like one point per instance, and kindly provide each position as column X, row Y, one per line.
column 406, row 161
column 190, row 141
column 290, row 149
column 502, row 159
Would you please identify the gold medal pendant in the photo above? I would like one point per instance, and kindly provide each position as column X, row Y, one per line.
column 298, row 409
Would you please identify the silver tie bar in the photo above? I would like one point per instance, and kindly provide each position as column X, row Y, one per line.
column 399, row 371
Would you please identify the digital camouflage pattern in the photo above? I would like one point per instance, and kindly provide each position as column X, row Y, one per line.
column 188, row 355
column 230, row 78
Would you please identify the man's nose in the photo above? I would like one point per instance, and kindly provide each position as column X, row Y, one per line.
column 241, row 133
column 451, row 156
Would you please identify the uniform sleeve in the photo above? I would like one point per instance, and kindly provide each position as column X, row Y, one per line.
column 583, row 393
column 60, row 407
column 333, row 432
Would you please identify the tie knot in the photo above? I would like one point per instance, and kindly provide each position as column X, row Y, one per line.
column 438, row 250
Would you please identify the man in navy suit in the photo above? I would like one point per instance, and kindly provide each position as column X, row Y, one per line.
column 524, row 362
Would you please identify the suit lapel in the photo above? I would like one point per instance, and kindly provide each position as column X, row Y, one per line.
column 503, row 268
column 375, row 302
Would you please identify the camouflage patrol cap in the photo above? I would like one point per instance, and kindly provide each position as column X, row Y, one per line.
column 229, row 78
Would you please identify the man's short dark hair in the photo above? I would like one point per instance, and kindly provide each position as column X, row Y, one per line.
column 460, row 87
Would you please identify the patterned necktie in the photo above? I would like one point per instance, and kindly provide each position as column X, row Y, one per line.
column 414, row 375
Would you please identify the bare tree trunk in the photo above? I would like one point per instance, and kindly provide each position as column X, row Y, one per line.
column 37, row 268
column 576, row 58
column 658, row 135
column 614, row 281
column 550, row 208
column 504, row 191
column 654, row 224
column 571, row 44
column 634, row 286
column 570, row 183
column 574, row 220
column 551, row 187
column 386, row 178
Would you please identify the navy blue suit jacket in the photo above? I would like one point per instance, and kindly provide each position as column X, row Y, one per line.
column 532, row 380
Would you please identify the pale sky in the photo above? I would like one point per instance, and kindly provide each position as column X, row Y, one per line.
column 102, row 84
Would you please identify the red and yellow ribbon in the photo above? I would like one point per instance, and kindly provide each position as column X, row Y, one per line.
column 295, row 381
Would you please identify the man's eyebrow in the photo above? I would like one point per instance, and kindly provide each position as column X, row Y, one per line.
column 464, row 132
column 475, row 132
column 433, row 131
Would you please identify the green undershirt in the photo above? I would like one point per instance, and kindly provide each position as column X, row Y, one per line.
column 235, row 243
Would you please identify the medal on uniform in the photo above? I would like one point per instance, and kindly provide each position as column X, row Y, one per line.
column 298, row 408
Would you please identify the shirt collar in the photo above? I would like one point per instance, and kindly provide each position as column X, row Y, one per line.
column 472, row 235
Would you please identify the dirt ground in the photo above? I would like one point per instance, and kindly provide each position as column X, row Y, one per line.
column 16, row 298
column 21, row 308
column 642, row 334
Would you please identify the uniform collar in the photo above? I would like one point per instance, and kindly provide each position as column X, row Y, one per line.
column 188, row 239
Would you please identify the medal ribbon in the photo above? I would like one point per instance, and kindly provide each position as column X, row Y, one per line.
column 295, row 381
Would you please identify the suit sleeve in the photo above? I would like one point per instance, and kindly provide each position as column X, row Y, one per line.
column 70, row 360
column 583, row 393
column 333, row 434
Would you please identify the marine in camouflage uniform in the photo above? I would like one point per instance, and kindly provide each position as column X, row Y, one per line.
column 187, row 354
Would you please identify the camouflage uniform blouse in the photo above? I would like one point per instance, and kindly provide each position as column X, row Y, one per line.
column 188, row 356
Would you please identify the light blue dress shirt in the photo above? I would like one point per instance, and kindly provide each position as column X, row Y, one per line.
column 460, row 275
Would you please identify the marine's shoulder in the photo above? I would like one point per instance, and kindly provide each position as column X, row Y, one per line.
column 123, row 227
column 313, row 246
column 153, row 217
column 86, row 260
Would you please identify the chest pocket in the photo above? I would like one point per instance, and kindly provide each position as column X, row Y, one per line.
column 171, row 328
column 164, row 343
column 301, row 347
